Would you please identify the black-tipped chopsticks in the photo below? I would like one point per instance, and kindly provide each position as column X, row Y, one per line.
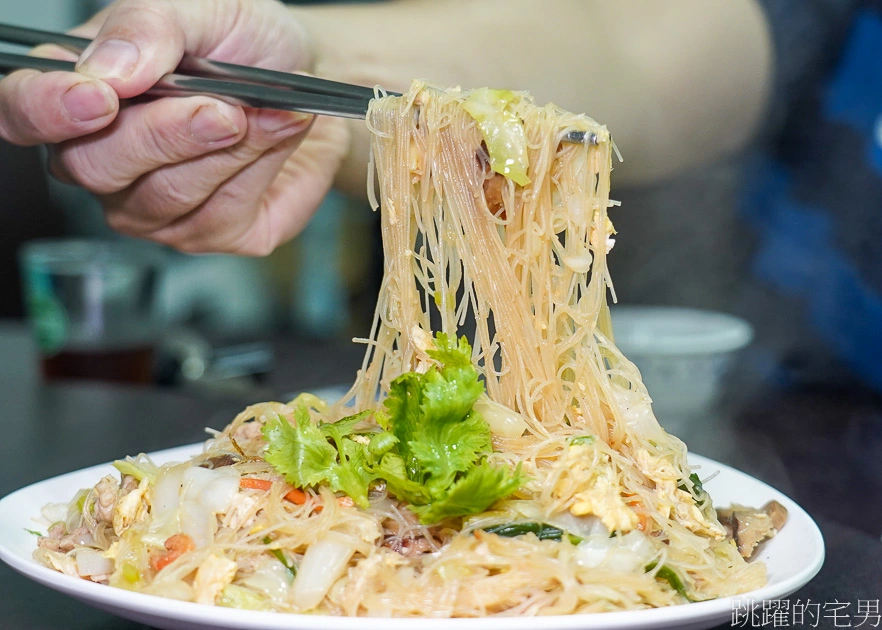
column 239, row 85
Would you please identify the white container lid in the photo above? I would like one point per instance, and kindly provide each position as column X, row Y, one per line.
column 667, row 330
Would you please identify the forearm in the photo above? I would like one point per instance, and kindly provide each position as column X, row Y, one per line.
column 678, row 82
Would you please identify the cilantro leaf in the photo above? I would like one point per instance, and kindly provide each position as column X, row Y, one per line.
column 430, row 451
column 393, row 471
column 482, row 486
column 351, row 475
column 344, row 426
column 299, row 451
column 450, row 448
column 403, row 406
column 431, row 415
column 450, row 393
column 381, row 443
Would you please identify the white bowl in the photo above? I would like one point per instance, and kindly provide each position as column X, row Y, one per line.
column 682, row 354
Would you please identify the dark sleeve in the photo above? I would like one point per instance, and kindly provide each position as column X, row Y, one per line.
column 807, row 37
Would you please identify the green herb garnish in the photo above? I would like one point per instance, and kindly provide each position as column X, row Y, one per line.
column 431, row 451
column 670, row 576
column 543, row 531
column 281, row 557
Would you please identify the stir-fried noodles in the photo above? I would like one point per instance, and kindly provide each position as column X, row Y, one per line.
column 519, row 472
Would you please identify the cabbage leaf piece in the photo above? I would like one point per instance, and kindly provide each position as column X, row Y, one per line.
column 502, row 130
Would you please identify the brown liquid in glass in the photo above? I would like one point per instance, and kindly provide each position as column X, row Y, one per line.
column 121, row 365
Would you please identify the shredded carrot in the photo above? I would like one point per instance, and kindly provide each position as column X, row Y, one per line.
column 158, row 563
column 177, row 545
column 643, row 521
column 345, row 502
column 180, row 542
column 250, row 483
column 297, row 496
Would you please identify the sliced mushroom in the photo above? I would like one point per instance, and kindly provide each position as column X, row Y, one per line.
column 748, row 527
column 219, row 461
column 493, row 193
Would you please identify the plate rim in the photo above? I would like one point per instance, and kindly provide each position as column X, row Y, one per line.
column 114, row 599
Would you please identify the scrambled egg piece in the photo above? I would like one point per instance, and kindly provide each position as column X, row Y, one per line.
column 130, row 508
column 591, row 480
column 213, row 576
column 674, row 502
column 608, row 236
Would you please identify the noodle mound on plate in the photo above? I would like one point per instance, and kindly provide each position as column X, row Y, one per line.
column 519, row 472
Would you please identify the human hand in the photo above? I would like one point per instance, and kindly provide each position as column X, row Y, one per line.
column 194, row 173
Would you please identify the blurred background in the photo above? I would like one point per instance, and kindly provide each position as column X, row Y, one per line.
column 691, row 241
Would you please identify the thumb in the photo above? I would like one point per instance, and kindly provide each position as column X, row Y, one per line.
column 140, row 41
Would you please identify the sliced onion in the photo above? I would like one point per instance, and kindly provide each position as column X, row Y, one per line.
column 55, row 512
column 198, row 523
column 593, row 551
column 579, row 260
column 219, row 493
column 582, row 526
column 167, row 491
column 270, row 577
column 639, row 544
column 637, row 414
column 196, row 479
column 503, row 421
column 323, row 564
column 92, row 562
column 85, row 539
column 623, row 553
column 176, row 589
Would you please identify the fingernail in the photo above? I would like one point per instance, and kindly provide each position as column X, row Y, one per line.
column 210, row 124
column 113, row 59
column 87, row 101
column 274, row 121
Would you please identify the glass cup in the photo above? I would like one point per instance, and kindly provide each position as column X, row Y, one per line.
column 91, row 306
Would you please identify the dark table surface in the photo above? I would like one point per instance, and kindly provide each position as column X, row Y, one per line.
column 822, row 447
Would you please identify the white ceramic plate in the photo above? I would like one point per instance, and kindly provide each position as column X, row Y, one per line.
column 793, row 558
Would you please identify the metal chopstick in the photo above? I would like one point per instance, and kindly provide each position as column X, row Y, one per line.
column 249, row 94
column 236, row 84
column 198, row 65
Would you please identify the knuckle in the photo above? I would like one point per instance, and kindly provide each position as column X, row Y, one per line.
column 119, row 221
column 160, row 142
column 245, row 152
column 167, row 191
column 144, row 23
column 16, row 125
column 88, row 171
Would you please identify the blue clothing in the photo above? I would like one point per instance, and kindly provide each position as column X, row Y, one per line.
column 815, row 197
